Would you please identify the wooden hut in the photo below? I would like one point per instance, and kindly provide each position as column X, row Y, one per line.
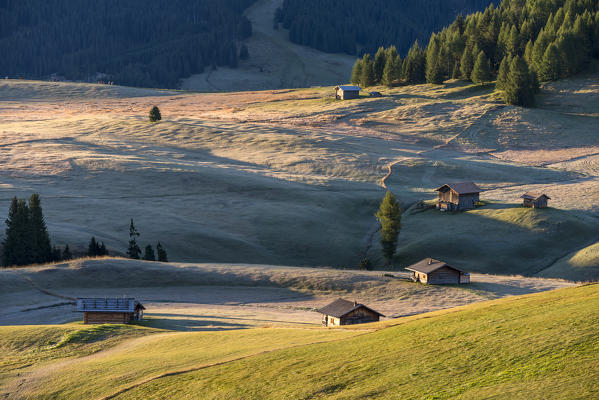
column 535, row 200
column 345, row 312
column 437, row 272
column 110, row 310
column 458, row 196
column 346, row 92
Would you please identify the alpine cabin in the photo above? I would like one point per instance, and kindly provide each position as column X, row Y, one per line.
column 535, row 200
column 345, row 312
column 458, row 196
column 110, row 310
column 435, row 272
column 347, row 92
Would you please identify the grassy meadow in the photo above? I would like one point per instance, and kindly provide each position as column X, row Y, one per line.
column 293, row 177
column 535, row 346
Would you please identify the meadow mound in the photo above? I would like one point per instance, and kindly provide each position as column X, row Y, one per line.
column 534, row 346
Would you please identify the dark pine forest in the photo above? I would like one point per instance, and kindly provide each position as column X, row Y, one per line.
column 134, row 42
column 359, row 26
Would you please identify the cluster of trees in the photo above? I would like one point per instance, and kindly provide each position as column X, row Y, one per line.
column 134, row 251
column 96, row 249
column 357, row 26
column 27, row 240
column 519, row 43
column 135, row 42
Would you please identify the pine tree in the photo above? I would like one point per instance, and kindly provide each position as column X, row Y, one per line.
column 16, row 244
column 102, row 251
column 40, row 239
column 434, row 73
column 520, row 86
column 367, row 74
column 149, row 253
column 392, row 71
column 356, row 73
column 389, row 216
column 161, row 252
column 551, row 67
column 502, row 76
column 379, row 64
column 481, row 72
column 133, row 251
column 66, row 253
column 92, row 248
column 155, row 115
column 466, row 63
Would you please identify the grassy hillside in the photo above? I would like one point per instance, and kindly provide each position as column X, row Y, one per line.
column 293, row 177
column 536, row 346
column 510, row 238
column 582, row 264
column 542, row 346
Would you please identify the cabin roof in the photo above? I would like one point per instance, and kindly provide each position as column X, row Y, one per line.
column 349, row 88
column 108, row 304
column 429, row 265
column 341, row 307
column 462, row 187
column 534, row 196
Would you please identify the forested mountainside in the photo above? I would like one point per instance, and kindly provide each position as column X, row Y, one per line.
column 357, row 26
column 135, row 42
column 517, row 44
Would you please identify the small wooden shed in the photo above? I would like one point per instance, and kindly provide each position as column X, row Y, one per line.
column 437, row 272
column 535, row 200
column 458, row 196
column 345, row 312
column 346, row 92
column 110, row 310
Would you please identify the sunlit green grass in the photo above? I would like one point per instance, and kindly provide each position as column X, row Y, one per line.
column 543, row 346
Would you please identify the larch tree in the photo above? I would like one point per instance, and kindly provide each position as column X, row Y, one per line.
column 481, row 72
column 149, row 253
column 40, row 239
column 133, row 251
column 161, row 253
column 389, row 216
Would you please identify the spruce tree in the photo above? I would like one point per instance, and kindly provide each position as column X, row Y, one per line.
column 389, row 216
column 161, row 253
column 434, row 73
column 102, row 250
column 356, row 73
column 367, row 74
column 481, row 72
column 56, row 254
column 379, row 64
column 40, row 239
column 550, row 68
column 92, row 247
column 66, row 253
column 155, row 115
column 149, row 253
column 520, row 86
column 502, row 76
column 133, row 251
column 392, row 71
column 466, row 63
column 16, row 244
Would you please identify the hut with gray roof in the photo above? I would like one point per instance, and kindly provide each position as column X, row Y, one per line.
column 346, row 92
column 345, row 312
column 535, row 200
column 458, row 196
column 437, row 272
column 110, row 310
